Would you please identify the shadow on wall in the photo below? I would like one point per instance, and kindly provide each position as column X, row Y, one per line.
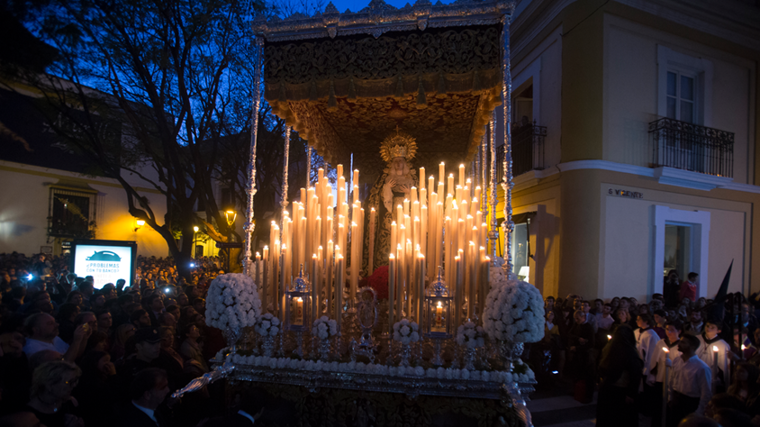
column 544, row 244
column 10, row 229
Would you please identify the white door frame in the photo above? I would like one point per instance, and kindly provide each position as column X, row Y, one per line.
column 700, row 223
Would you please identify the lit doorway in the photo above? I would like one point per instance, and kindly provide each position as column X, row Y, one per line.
column 678, row 249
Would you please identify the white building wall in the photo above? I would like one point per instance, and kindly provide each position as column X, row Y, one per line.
column 631, row 93
column 24, row 208
column 628, row 241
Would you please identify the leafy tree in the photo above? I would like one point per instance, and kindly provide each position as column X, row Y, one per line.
column 175, row 73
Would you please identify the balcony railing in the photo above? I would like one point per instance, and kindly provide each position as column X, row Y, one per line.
column 527, row 150
column 691, row 147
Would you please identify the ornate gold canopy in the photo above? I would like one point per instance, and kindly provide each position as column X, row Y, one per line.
column 346, row 81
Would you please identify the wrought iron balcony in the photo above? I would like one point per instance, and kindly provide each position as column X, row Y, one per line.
column 691, row 147
column 527, row 150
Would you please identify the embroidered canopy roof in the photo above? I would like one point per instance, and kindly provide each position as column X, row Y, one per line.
column 345, row 81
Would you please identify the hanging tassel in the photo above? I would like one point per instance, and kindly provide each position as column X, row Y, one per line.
column 441, row 86
column 351, row 89
column 313, row 91
column 332, row 104
column 421, row 99
column 399, row 88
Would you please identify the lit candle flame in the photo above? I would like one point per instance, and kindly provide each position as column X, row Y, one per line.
column 715, row 348
column 609, row 337
column 665, row 349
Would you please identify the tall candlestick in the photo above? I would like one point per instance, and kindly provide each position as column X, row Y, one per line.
column 339, row 281
column 441, row 173
column 391, row 291
column 314, row 286
column 422, row 177
column 421, row 288
column 461, row 175
column 458, row 292
column 665, row 387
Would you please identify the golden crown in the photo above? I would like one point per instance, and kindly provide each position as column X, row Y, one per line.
column 398, row 145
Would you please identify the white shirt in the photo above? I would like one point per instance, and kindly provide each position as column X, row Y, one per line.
column 646, row 342
column 692, row 378
column 706, row 353
column 148, row 412
column 604, row 322
column 658, row 359
column 33, row 346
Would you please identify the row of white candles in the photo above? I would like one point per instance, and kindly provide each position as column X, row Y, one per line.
column 307, row 240
column 428, row 231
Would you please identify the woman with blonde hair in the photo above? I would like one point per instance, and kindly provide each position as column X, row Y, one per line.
column 120, row 337
column 51, row 400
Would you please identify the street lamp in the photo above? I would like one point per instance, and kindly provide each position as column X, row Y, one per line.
column 195, row 230
column 230, row 215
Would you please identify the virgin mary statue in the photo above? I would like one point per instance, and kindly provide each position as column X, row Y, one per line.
column 389, row 191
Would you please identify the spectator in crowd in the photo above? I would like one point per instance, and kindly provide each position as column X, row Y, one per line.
column 15, row 381
column 51, row 394
column 76, row 298
column 695, row 326
column 87, row 318
column 604, row 318
column 105, row 320
column 97, row 388
column 87, row 289
column 42, row 330
column 190, row 348
column 119, row 343
column 672, row 288
column 156, row 304
column 689, row 288
column 67, row 314
column 581, row 359
column 147, row 392
column 140, row 319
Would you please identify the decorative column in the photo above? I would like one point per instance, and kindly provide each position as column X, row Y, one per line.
column 494, row 234
column 286, row 148
column 251, row 184
column 308, row 170
column 506, row 97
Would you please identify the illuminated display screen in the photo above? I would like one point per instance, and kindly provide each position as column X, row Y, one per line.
column 105, row 261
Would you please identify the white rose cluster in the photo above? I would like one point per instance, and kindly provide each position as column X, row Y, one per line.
column 267, row 326
column 232, row 301
column 471, row 335
column 324, row 328
column 514, row 312
column 376, row 369
column 406, row 332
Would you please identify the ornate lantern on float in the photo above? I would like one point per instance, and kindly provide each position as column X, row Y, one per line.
column 298, row 309
column 437, row 322
column 298, row 304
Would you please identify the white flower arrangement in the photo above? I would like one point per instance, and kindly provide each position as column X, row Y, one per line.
column 376, row 369
column 268, row 325
column 514, row 312
column 470, row 335
column 406, row 332
column 324, row 328
column 232, row 302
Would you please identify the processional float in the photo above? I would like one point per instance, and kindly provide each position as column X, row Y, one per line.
column 396, row 94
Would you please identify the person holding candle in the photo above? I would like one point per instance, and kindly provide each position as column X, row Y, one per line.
column 646, row 344
column 717, row 360
column 620, row 372
column 689, row 382
column 657, row 365
column 390, row 190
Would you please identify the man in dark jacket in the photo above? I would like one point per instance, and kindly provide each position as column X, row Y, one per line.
column 148, row 390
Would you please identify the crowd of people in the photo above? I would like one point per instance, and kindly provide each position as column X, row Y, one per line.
column 74, row 353
column 696, row 359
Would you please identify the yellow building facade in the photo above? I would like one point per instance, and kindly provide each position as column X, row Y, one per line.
column 643, row 154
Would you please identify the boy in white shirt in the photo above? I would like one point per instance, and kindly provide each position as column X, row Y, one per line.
column 673, row 330
column 646, row 344
column 719, row 360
